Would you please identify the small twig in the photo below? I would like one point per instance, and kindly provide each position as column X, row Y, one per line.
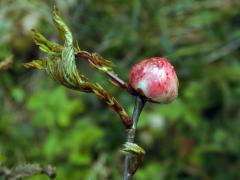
column 139, row 104
column 121, row 83
column 27, row 170
column 117, row 80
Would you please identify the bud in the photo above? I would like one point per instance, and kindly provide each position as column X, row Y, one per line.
column 156, row 79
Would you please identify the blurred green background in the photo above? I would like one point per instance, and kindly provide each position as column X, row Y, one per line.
column 195, row 137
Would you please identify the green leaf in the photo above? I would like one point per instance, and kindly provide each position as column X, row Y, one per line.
column 45, row 45
column 38, row 64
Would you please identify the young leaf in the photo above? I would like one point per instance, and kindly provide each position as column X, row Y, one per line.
column 62, row 66
column 45, row 45
column 38, row 64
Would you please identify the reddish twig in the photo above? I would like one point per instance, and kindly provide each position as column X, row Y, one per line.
column 118, row 81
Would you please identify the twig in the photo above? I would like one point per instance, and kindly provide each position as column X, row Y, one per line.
column 27, row 170
column 121, row 83
column 139, row 104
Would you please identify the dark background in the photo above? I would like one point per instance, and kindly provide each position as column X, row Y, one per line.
column 195, row 137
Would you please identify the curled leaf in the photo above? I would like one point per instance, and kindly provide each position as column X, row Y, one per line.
column 65, row 72
column 134, row 149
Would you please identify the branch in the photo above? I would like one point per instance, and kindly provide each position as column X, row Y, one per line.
column 27, row 170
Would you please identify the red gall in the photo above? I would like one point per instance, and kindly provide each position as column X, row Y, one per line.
column 155, row 78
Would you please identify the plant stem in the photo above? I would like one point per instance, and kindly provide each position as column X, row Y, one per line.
column 139, row 104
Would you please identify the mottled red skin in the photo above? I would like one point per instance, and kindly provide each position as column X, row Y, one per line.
column 156, row 78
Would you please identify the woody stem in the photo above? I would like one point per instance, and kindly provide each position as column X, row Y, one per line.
column 139, row 104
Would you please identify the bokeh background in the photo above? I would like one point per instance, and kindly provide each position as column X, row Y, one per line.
column 195, row 137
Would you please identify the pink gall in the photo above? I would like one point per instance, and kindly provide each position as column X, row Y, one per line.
column 156, row 79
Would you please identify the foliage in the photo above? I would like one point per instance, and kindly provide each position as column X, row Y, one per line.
column 195, row 137
column 63, row 69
